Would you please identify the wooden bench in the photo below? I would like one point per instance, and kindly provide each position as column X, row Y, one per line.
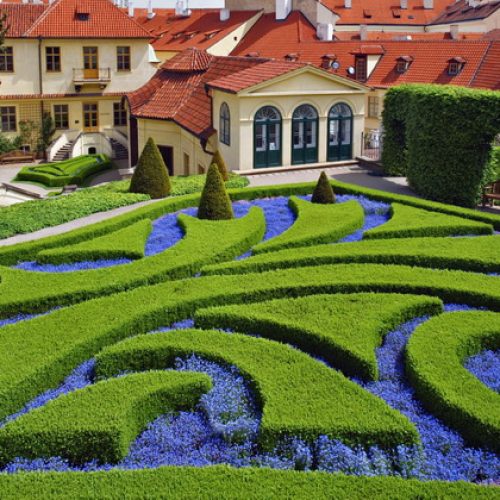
column 491, row 193
column 17, row 156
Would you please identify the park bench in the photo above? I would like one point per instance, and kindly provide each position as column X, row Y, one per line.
column 491, row 193
column 17, row 156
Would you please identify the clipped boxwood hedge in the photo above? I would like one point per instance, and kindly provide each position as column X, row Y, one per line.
column 441, row 135
column 434, row 360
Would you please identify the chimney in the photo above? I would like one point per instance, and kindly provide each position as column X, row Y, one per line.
column 324, row 31
column 347, row 4
column 363, row 31
column 454, row 31
column 428, row 4
column 282, row 8
column 224, row 14
column 404, row 4
column 131, row 8
column 151, row 12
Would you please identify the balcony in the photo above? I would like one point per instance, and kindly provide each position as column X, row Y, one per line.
column 83, row 76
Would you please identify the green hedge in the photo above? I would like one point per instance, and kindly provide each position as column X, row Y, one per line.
column 205, row 242
column 316, row 223
column 434, row 360
column 63, row 339
column 72, row 171
column 344, row 329
column 100, row 421
column 298, row 395
column 128, row 242
column 468, row 254
column 410, row 222
column 222, row 482
column 443, row 135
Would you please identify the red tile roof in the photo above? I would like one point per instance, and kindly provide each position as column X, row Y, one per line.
column 488, row 74
column 461, row 11
column 202, row 29
column 293, row 30
column 105, row 20
column 20, row 17
column 372, row 36
column 255, row 75
column 181, row 96
column 383, row 11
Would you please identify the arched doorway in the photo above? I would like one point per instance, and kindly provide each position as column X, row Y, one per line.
column 340, row 132
column 267, row 137
column 304, row 135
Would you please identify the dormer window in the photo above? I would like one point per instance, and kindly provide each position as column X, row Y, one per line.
column 361, row 68
column 367, row 13
column 292, row 57
column 455, row 65
column 396, row 13
column 82, row 16
column 211, row 34
column 403, row 63
column 328, row 60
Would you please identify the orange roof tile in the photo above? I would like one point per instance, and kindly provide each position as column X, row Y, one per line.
column 381, row 11
column 181, row 96
column 377, row 35
column 204, row 27
column 20, row 17
column 253, row 76
column 105, row 20
column 461, row 11
column 488, row 74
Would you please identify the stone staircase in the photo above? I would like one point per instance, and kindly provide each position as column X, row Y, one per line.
column 120, row 152
column 63, row 153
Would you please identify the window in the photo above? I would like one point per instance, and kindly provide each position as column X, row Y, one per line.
column 186, row 162
column 7, row 59
column 360, row 68
column 455, row 65
column 53, row 58
column 225, row 124
column 8, row 118
column 119, row 115
column 123, row 58
column 373, row 103
column 403, row 63
column 61, row 116
column 82, row 16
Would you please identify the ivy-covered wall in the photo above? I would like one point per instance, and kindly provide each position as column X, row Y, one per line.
column 440, row 137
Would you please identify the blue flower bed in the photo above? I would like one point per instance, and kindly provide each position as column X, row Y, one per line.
column 486, row 367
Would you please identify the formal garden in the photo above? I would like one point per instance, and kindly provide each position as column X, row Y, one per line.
column 316, row 340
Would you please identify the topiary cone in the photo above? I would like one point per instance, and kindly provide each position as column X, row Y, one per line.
column 323, row 192
column 151, row 174
column 215, row 203
column 221, row 165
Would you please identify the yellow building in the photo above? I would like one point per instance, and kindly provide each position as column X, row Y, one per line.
column 258, row 112
column 72, row 59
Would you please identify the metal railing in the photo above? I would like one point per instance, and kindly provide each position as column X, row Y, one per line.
column 371, row 145
column 100, row 75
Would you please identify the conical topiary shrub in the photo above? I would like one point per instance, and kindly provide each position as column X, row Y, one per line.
column 215, row 203
column 323, row 192
column 218, row 159
column 151, row 174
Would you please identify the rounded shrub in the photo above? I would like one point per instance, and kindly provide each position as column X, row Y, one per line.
column 218, row 159
column 215, row 203
column 323, row 192
column 151, row 174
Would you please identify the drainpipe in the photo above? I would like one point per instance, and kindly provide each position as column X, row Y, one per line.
column 40, row 85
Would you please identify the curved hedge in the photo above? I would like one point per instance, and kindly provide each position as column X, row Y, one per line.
column 298, row 395
column 468, row 254
column 316, row 223
column 434, row 362
column 205, row 242
column 128, row 242
column 100, row 421
column 409, row 222
column 342, row 329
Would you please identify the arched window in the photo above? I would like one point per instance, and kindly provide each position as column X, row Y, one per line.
column 304, row 135
column 267, row 137
column 340, row 132
column 225, row 124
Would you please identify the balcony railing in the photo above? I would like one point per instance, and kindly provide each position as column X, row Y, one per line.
column 82, row 76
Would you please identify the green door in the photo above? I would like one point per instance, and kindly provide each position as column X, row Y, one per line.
column 340, row 133
column 267, row 138
column 304, row 135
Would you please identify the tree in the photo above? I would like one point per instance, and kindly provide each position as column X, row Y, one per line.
column 323, row 192
column 218, row 159
column 151, row 174
column 215, row 203
column 47, row 131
